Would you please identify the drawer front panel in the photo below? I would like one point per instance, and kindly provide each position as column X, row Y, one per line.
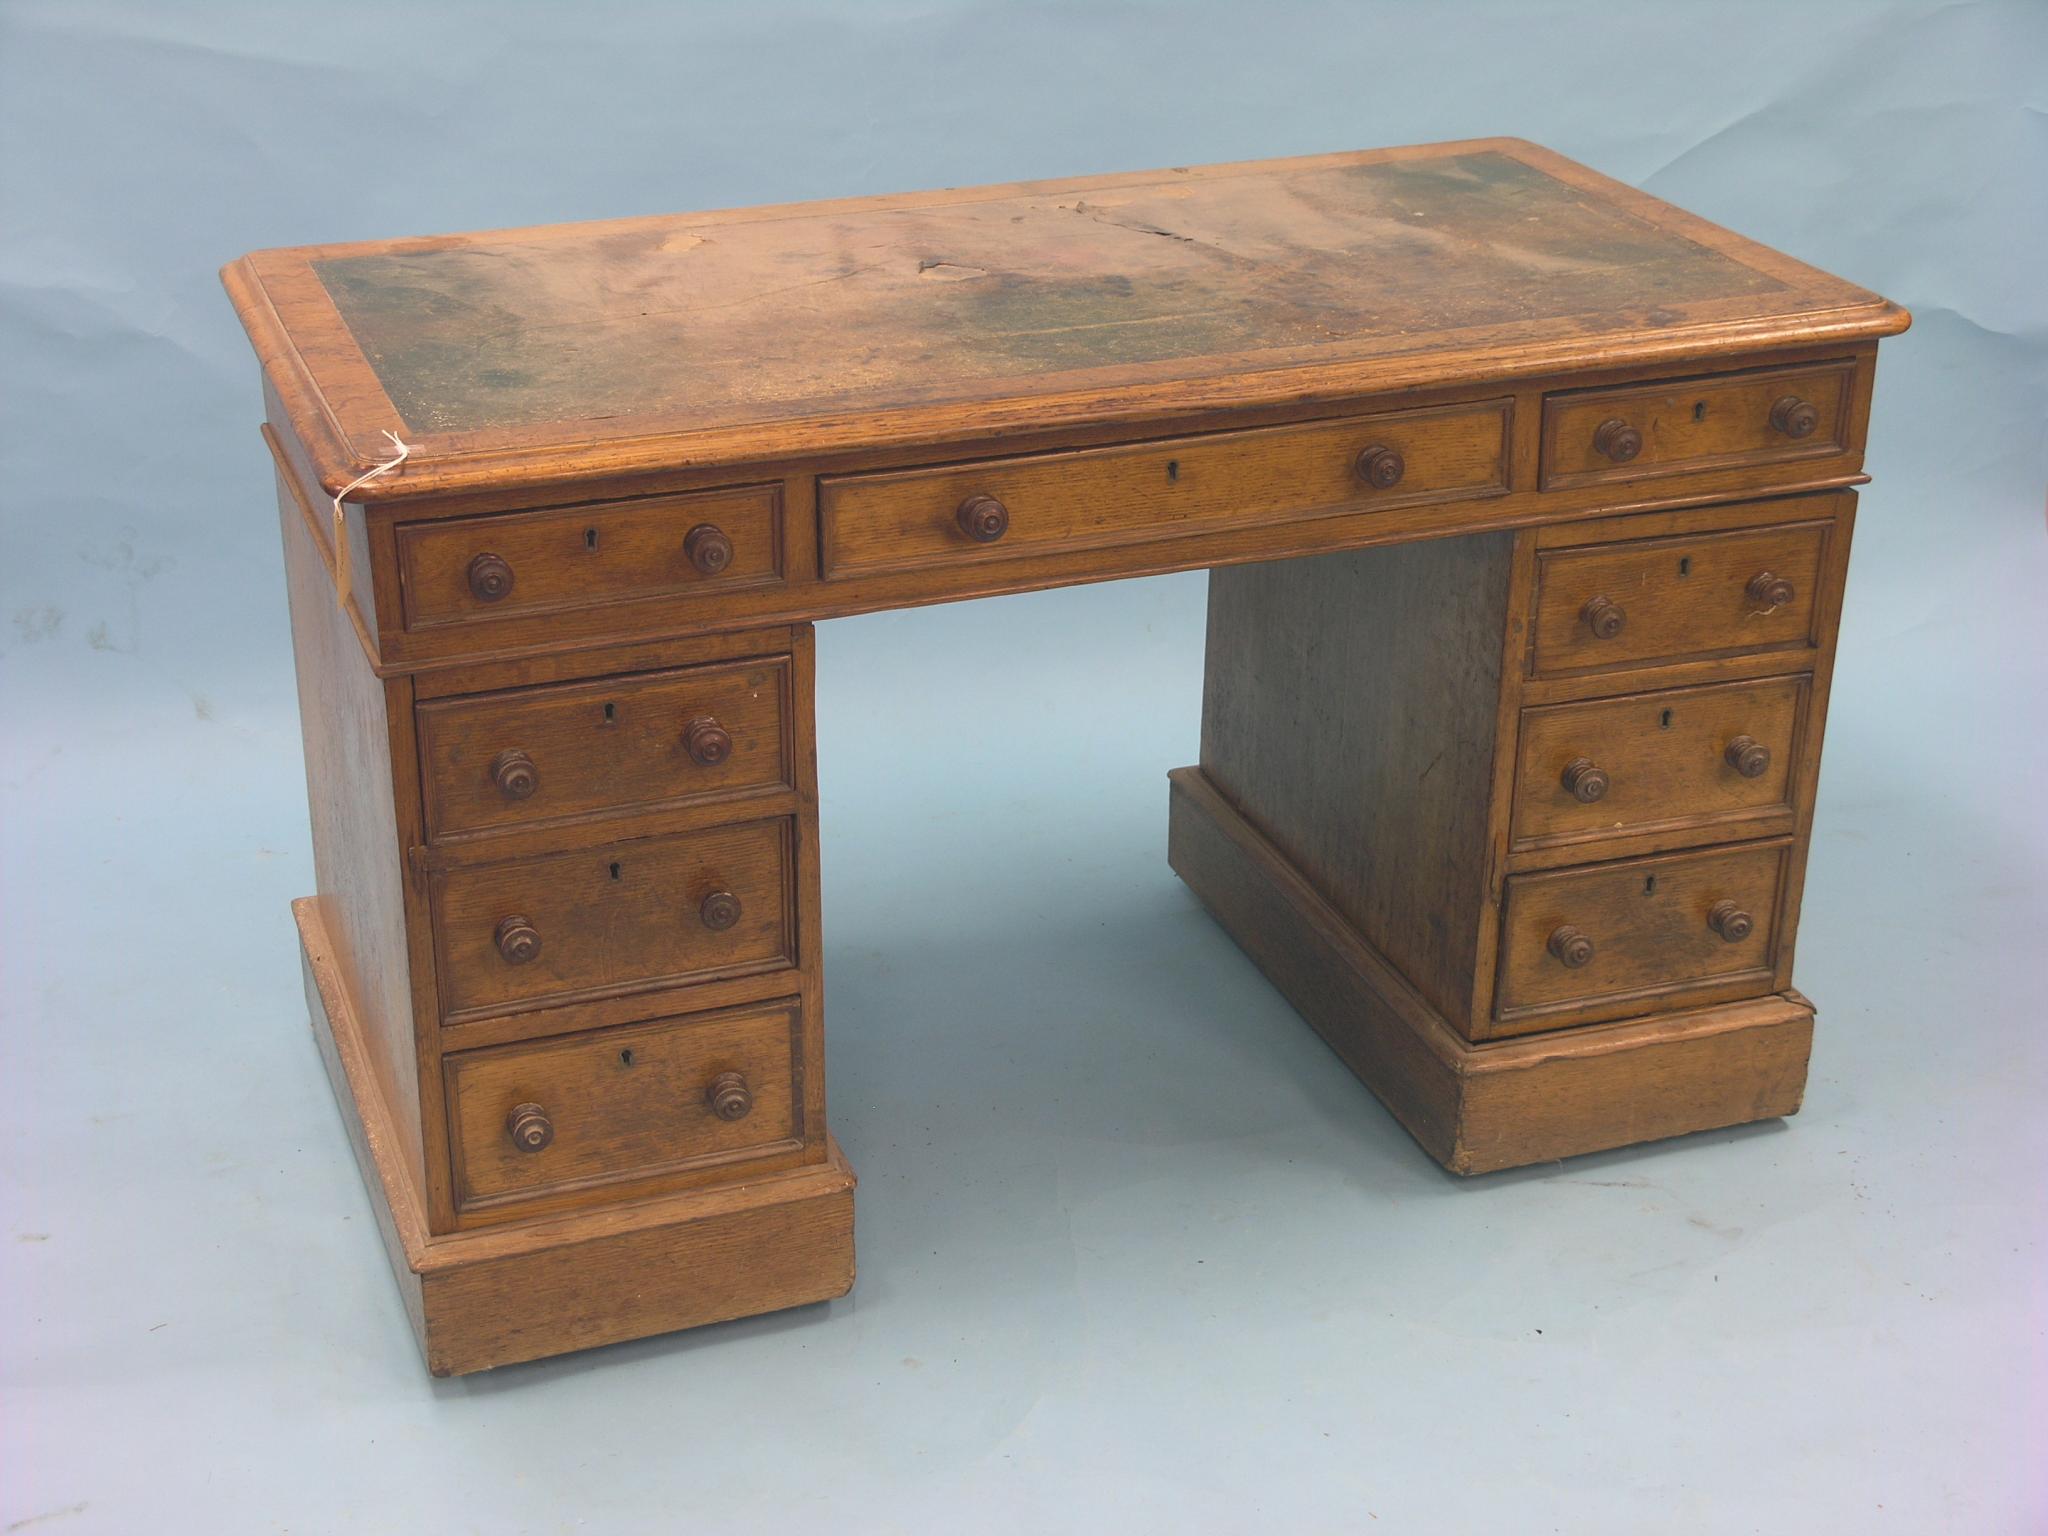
column 1673, row 428
column 1096, row 497
column 530, row 756
column 618, row 917
column 1691, row 595
column 1714, row 760
column 624, row 1103
column 1620, row 938
column 473, row 569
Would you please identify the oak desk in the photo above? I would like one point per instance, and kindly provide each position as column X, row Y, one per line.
column 1528, row 499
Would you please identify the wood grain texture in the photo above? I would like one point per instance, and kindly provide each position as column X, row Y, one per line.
column 905, row 519
column 345, row 718
column 626, row 1104
column 668, row 340
column 1695, row 424
column 1479, row 1108
column 614, row 917
column 1664, row 756
column 1349, row 711
column 602, row 748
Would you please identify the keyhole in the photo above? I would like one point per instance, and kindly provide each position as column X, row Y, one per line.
column 626, row 1057
column 1649, row 885
column 1699, row 411
column 590, row 538
column 615, row 871
column 1685, row 565
column 611, row 713
column 1173, row 469
column 1664, row 720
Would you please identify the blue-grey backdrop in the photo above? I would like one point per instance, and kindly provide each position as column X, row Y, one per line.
column 1137, row 1253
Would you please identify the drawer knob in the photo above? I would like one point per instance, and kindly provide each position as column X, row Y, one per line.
column 1769, row 591
column 1748, row 757
column 1795, row 417
column 719, row 911
column 1604, row 617
column 729, row 1096
column 517, row 939
column 514, row 774
column 1729, row 920
column 708, row 549
column 529, row 1127
column 1585, row 779
column 707, row 742
column 1573, row 946
column 490, row 577
column 1617, row 439
column 983, row 519
column 1381, row 467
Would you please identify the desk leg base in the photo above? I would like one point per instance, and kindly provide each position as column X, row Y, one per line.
column 500, row 1294
column 1477, row 1108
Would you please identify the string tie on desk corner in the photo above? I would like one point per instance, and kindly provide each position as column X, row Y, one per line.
column 402, row 450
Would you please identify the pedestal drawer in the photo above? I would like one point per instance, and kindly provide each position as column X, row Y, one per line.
column 621, row 1104
column 531, row 756
column 1648, row 601
column 1614, row 939
column 1704, row 764
column 619, row 917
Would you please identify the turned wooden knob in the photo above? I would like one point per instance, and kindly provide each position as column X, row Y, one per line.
column 1729, row 920
column 514, row 774
column 729, row 1096
column 1380, row 467
column 490, row 577
column 1769, row 591
column 1604, row 617
column 1585, row 779
column 1748, row 757
column 708, row 549
column 517, row 940
column 983, row 519
column 707, row 741
column 529, row 1127
column 1795, row 417
column 1617, row 439
column 1573, row 946
column 719, row 911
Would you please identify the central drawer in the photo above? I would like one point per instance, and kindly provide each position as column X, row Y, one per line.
column 617, row 1104
column 621, row 917
column 998, row 509
column 533, row 756
column 1603, row 942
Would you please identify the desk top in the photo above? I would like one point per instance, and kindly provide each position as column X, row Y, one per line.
column 808, row 329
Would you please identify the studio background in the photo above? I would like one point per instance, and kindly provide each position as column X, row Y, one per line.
column 1137, row 1252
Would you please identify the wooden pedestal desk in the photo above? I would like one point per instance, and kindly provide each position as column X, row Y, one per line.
column 1527, row 499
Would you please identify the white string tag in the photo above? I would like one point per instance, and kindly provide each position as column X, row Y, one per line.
column 341, row 569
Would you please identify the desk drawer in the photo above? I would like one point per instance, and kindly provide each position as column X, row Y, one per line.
column 615, row 1104
column 619, row 917
column 531, row 756
column 1711, row 763
column 1692, row 595
column 1679, row 427
column 1614, row 939
column 1000, row 509
column 473, row 569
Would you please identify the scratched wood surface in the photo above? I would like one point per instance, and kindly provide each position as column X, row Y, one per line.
column 569, row 336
